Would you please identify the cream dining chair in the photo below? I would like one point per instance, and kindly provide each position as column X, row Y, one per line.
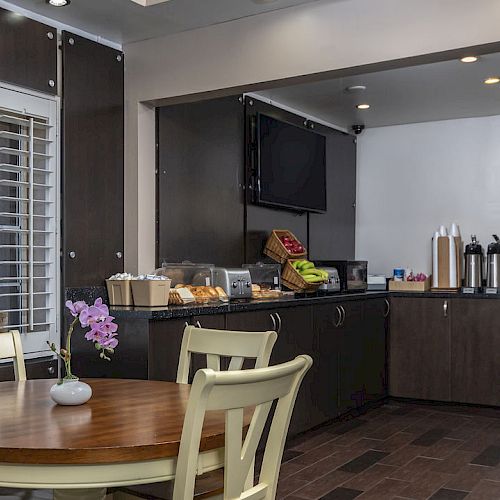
column 232, row 392
column 216, row 344
column 11, row 347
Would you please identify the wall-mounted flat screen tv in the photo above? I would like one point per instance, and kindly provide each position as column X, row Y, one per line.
column 291, row 166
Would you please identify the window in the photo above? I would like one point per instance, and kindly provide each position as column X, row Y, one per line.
column 29, row 230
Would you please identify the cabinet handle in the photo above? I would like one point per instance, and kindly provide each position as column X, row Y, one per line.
column 273, row 319
column 343, row 315
column 445, row 308
column 387, row 308
column 339, row 320
column 279, row 323
column 198, row 325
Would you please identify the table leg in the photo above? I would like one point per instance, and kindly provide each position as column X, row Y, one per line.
column 87, row 494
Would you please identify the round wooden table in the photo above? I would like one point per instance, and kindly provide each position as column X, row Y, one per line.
column 128, row 433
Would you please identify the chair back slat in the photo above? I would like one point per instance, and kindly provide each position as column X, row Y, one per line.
column 11, row 347
column 215, row 344
column 233, row 391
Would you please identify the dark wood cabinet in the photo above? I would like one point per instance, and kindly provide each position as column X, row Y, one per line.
column 200, row 182
column 165, row 338
column 130, row 359
column 296, row 336
column 325, row 384
column 35, row 368
column 28, row 52
column 374, row 342
column 351, row 376
column 331, row 234
column 92, row 173
column 420, row 348
column 475, row 348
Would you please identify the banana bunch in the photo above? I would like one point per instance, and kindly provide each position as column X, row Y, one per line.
column 309, row 272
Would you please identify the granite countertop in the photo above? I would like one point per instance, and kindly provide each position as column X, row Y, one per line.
column 171, row 312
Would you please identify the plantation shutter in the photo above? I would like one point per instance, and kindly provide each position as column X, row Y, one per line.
column 29, row 240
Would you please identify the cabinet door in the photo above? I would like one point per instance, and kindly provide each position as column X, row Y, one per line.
column 200, row 179
column 419, row 354
column 28, row 53
column 254, row 321
column 351, row 374
column 130, row 359
column 296, row 336
column 165, row 338
column 331, row 234
column 373, row 341
column 92, row 171
column 35, row 368
column 475, row 347
column 325, row 383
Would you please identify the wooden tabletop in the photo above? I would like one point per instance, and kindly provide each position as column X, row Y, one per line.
column 124, row 421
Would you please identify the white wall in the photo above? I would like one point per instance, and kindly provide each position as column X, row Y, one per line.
column 320, row 37
column 412, row 178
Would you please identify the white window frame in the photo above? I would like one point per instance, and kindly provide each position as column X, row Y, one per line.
column 36, row 103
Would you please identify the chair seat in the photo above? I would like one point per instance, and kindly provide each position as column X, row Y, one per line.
column 206, row 486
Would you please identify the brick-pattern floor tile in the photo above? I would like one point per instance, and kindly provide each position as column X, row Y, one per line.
column 320, row 487
column 485, row 490
column 364, row 461
column 369, row 477
column 490, row 456
column 467, row 477
column 446, row 494
column 386, row 488
column 400, row 450
column 425, row 485
column 342, row 494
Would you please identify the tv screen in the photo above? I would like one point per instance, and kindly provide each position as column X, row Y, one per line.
column 291, row 166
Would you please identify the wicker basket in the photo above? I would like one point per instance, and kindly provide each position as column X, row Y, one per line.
column 277, row 251
column 293, row 280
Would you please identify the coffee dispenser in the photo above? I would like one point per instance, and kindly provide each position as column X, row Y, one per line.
column 473, row 267
column 493, row 269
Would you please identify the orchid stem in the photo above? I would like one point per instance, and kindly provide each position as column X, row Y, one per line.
column 67, row 357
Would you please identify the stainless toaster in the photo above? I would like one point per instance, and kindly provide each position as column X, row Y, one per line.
column 333, row 283
column 237, row 283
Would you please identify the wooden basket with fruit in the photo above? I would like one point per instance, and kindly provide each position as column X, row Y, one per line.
column 301, row 275
column 283, row 245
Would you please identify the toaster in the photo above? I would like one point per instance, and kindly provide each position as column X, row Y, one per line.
column 333, row 283
column 237, row 283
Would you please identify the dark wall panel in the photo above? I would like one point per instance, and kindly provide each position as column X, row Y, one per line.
column 332, row 234
column 200, row 179
column 28, row 57
column 92, row 161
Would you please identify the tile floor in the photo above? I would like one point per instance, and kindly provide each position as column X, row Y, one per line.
column 398, row 451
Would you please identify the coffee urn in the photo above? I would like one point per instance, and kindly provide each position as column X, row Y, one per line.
column 493, row 260
column 473, row 267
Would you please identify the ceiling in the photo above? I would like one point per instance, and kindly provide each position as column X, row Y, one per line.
column 429, row 92
column 124, row 21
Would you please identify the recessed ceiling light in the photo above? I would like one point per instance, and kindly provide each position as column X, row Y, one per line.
column 492, row 80
column 355, row 88
column 362, row 106
column 58, row 3
column 469, row 59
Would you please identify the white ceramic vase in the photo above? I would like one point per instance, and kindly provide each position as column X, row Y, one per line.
column 71, row 392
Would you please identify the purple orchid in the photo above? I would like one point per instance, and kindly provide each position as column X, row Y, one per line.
column 97, row 312
column 75, row 308
column 102, row 330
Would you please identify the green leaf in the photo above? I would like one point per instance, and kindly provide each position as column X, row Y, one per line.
column 98, row 346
